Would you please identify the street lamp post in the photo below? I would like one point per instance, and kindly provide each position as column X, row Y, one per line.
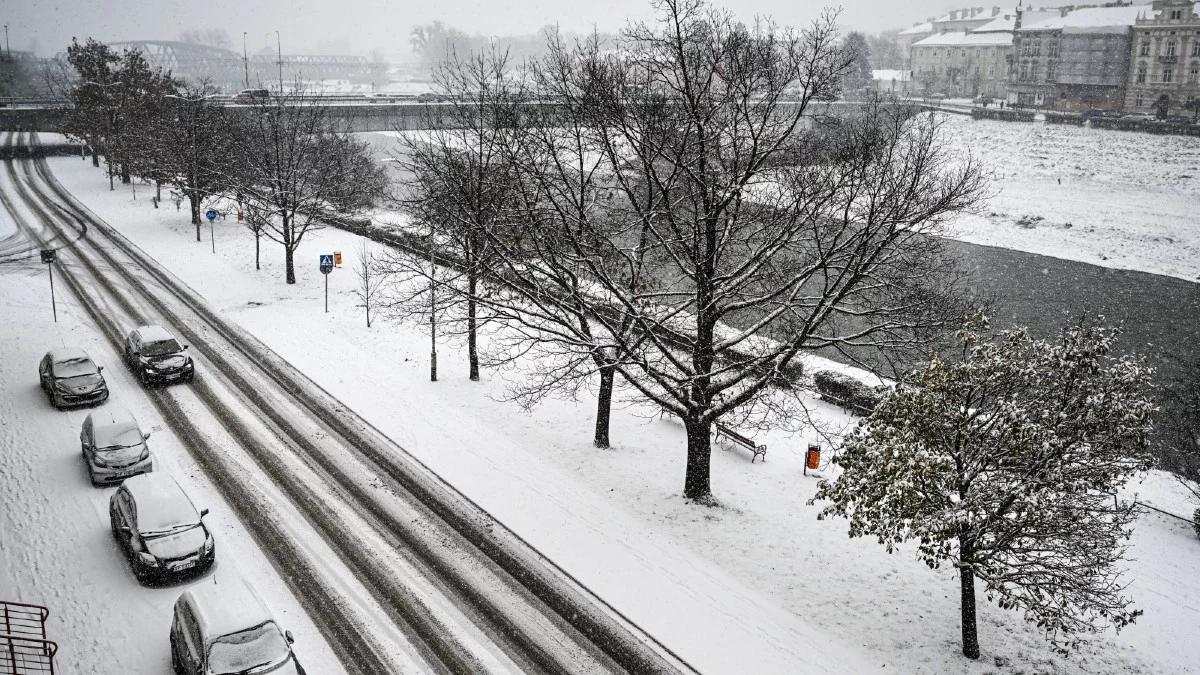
column 245, row 60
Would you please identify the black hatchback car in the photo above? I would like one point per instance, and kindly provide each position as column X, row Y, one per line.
column 70, row 377
column 159, row 529
column 157, row 357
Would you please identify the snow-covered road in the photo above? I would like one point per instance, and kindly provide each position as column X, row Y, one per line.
column 56, row 548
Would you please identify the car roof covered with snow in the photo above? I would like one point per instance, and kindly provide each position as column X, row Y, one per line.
column 63, row 354
column 71, row 361
column 114, row 426
column 153, row 333
column 161, row 503
column 224, row 608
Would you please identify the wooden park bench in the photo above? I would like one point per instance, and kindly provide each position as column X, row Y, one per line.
column 747, row 443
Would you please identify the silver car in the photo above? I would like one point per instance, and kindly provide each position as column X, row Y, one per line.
column 114, row 446
column 228, row 629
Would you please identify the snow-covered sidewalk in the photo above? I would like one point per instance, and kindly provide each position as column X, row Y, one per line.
column 756, row 586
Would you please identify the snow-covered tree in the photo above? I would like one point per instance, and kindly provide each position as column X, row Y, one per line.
column 298, row 166
column 1005, row 461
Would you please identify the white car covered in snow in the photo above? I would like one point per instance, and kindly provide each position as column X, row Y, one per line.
column 220, row 629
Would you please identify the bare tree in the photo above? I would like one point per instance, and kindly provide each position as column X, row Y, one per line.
column 684, row 220
column 461, row 180
column 1004, row 460
column 298, row 167
column 370, row 282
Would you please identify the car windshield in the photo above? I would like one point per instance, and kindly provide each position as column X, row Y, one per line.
column 77, row 367
column 253, row 650
column 160, row 348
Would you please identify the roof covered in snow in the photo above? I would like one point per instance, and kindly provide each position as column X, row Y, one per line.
column 1005, row 22
column 225, row 608
column 154, row 333
column 161, row 503
column 959, row 39
column 919, row 29
column 1090, row 20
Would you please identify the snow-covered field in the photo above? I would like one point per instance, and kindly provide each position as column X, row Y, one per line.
column 1119, row 199
column 757, row 586
column 56, row 548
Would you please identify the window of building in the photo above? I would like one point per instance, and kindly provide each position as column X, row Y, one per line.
column 1141, row 75
column 1051, row 71
column 1145, row 48
column 991, row 71
column 1037, row 48
column 1024, row 72
column 1170, row 48
column 1176, row 14
column 1052, row 49
column 1168, row 73
column 1194, row 74
column 1196, row 47
column 1139, row 101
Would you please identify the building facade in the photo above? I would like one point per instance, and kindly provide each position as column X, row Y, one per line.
column 962, row 65
column 1076, row 61
column 1164, row 72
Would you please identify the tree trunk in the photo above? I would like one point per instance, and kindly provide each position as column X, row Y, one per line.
column 970, row 634
column 157, row 192
column 604, row 406
column 289, row 261
column 289, row 249
column 194, row 206
column 124, row 174
column 257, row 247
column 95, row 157
column 696, row 483
column 472, row 348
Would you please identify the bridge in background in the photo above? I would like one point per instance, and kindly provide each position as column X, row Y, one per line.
column 360, row 114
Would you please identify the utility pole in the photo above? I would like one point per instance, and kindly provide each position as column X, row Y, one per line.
column 245, row 60
column 279, row 53
column 432, row 308
column 7, row 47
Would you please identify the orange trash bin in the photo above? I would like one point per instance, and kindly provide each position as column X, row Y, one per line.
column 812, row 458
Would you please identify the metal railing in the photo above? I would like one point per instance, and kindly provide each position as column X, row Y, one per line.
column 24, row 648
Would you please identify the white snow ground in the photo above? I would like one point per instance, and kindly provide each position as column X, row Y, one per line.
column 759, row 586
column 55, row 545
column 1119, row 199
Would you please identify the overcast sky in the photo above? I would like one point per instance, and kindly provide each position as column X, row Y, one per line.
column 357, row 26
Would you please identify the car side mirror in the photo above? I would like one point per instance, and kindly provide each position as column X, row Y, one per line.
column 185, row 346
column 137, row 353
column 287, row 635
column 100, row 369
column 146, row 436
column 203, row 512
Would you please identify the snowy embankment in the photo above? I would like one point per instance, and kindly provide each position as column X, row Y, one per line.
column 756, row 586
column 1121, row 199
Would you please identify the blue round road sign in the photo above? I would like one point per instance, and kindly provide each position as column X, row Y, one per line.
column 211, row 214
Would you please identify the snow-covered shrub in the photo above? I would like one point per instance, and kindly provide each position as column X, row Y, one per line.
column 848, row 392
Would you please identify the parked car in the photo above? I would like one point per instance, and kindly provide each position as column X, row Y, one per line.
column 228, row 629
column 157, row 357
column 428, row 98
column 114, row 446
column 1138, row 117
column 159, row 529
column 252, row 95
column 70, row 377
